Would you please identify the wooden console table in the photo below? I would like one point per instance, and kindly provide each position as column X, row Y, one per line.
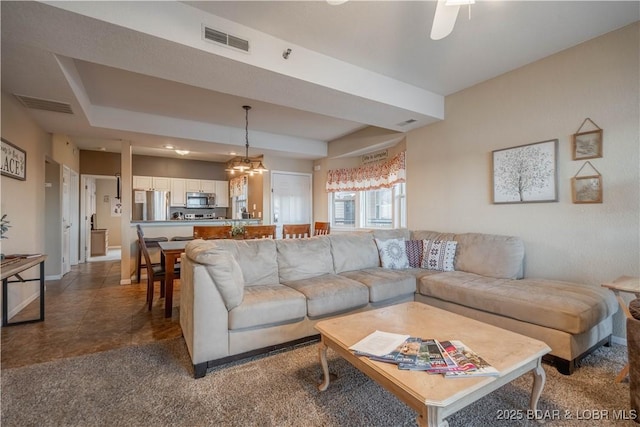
column 624, row 284
column 11, row 268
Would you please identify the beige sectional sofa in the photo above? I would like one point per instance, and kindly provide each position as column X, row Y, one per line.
column 242, row 297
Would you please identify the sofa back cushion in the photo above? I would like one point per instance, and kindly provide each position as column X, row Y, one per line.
column 300, row 259
column 392, row 233
column 490, row 255
column 223, row 269
column 257, row 259
column 353, row 251
column 431, row 235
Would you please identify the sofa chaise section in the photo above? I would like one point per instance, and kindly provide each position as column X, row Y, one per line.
column 573, row 319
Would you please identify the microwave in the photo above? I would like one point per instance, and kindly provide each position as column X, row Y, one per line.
column 201, row 200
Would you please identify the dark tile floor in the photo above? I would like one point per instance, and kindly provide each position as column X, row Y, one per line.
column 88, row 311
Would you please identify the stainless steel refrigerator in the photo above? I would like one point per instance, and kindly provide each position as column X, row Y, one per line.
column 150, row 205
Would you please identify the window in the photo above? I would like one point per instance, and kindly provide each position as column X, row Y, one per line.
column 344, row 209
column 382, row 208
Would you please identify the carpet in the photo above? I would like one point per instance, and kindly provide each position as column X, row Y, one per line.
column 152, row 385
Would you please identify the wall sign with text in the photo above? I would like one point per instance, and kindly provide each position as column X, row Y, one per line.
column 14, row 161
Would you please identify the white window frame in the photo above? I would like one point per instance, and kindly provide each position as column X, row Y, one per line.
column 398, row 209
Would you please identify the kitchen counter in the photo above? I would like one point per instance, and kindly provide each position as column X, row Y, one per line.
column 192, row 222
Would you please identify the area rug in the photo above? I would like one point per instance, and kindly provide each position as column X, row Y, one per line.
column 152, row 385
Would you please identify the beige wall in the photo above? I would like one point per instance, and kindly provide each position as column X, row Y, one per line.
column 65, row 151
column 24, row 201
column 449, row 163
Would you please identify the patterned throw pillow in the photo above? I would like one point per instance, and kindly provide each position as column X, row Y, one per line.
column 414, row 252
column 439, row 254
column 393, row 253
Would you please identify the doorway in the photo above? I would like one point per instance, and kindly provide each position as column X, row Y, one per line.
column 291, row 195
column 96, row 202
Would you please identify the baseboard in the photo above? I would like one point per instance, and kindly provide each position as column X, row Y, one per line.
column 54, row 277
column 17, row 309
column 618, row 340
column 125, row 281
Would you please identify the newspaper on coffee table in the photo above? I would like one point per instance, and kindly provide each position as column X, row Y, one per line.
column 379, row 343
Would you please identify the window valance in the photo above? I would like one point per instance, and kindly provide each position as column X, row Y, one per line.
column 369, row 177
column 237, row 186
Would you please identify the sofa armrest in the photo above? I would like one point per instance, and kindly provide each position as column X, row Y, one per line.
column 203, row 316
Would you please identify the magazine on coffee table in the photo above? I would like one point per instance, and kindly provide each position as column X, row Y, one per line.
column 482, row 367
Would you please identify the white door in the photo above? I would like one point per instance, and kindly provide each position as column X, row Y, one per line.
column 88, row 208
column 74, row 206
column 66, row 221
column 290, row 199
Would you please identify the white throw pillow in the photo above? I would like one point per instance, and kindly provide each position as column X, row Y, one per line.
column 393, row 253
column 439, row 254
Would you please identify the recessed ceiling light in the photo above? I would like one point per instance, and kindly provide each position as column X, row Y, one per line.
column 232, row 153
column 182, row 152
column 169, row 146
column 101, row 149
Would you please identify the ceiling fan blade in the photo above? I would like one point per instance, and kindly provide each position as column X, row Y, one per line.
column 443, row 20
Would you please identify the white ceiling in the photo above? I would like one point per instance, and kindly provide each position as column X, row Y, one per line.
column 141, row 72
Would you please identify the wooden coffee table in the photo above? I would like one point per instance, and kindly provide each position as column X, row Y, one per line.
column 434, row 397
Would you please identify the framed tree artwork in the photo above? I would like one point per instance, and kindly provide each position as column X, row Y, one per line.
column 526, row 173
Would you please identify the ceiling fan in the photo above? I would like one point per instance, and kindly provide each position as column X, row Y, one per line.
column 443, row 20
column 445, row 17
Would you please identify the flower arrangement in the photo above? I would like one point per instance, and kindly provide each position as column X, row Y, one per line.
column 237, row 228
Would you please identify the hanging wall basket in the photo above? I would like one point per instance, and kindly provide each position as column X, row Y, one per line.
column 587, row 145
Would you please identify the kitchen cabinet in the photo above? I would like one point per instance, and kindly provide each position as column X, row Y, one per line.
column 222, row 194
column 192, row 185
column 207, row 186
column 180, row 186
column 200, row 186
column 161, row 183
column 99, row 242
column 142, row 182
column 178, row 192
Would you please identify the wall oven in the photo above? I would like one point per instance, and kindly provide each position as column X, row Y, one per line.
column 201, row 200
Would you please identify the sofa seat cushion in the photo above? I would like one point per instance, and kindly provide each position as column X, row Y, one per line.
column 384, row 284
column 266, row 305
column 330, row 293
column 419, row 273
column 565, row 306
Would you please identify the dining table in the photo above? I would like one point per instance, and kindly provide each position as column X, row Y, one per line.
column 171, row 252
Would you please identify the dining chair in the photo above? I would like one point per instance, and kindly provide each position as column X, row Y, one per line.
column 155, row 272
column 296, row 231
column 321, row 228
column 151, row 242
column 212, row 232
column 259, row 231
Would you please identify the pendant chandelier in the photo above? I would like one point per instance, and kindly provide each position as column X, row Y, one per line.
column 246, row 163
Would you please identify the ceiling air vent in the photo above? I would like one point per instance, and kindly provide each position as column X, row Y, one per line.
column 406, row 122
column 226, row 39
column 44, row 104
